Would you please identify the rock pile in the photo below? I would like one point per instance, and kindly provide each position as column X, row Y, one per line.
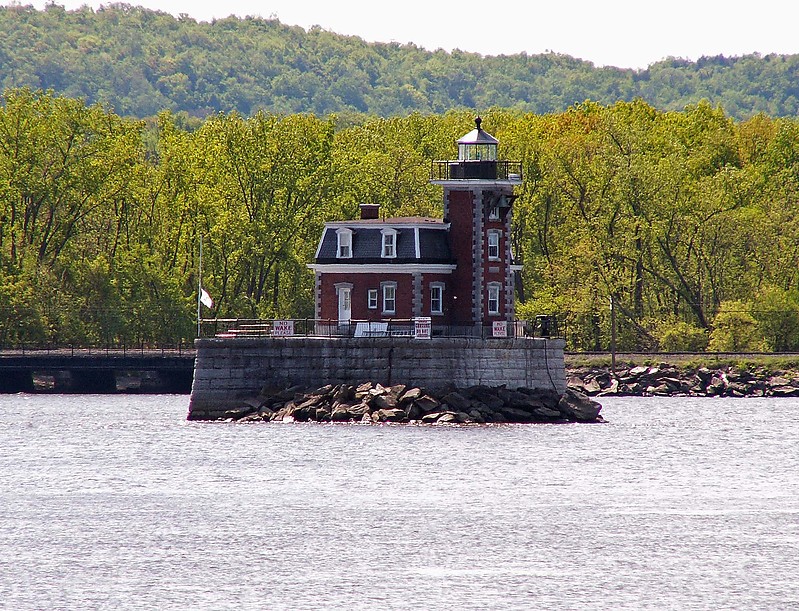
column 373, row 403
column 668, row 380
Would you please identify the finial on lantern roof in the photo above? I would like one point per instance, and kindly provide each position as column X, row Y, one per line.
column 477, row 122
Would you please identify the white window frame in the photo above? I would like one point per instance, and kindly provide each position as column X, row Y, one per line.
column 388, row 245
column 493, row 294
column 436, row 287
column 389, row 290
column 494, row 234
column 344, row 243
column 493, row 213
column 372, row 299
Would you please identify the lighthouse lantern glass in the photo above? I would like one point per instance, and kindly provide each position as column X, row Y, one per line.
column 477, row 152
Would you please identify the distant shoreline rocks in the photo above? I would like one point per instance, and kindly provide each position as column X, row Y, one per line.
column 669, row 380
column 371, row 402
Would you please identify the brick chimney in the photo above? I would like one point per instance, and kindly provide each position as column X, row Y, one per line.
column 370, row 211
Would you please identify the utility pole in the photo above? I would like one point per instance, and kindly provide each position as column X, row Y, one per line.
column 612, row 337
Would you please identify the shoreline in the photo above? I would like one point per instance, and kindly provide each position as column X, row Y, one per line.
column 668, row 379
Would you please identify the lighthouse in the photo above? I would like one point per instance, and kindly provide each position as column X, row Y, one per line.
column 478, row 207
column 375, row 272
column 406, row 301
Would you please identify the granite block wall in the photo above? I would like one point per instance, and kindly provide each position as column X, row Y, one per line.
column 228, row 370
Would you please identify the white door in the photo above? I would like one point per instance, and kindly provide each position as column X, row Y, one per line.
column 344, row 306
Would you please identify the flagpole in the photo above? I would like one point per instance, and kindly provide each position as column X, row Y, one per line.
column 200, row 287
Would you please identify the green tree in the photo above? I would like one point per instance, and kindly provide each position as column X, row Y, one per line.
column 735, row 330
column 777, row 314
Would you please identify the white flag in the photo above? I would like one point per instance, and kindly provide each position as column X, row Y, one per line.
column 205, row 299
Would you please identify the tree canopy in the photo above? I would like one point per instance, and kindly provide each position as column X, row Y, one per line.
column 141, row 62
column 684, row 220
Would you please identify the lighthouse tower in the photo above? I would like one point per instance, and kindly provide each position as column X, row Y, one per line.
column 478, row 204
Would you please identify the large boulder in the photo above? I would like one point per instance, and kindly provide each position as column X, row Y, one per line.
column 577, row 407
column 514, row 414
column 411, row 394
column 447, row 417
column 546, row 414
column 784, row 391
column 239, row 412
column 487, row 396
column 344, row 392
column 389, row 415
column 576, row 383
column 456, row 400
column 592, row 386
column 385, row 401
column 716, row 386
column 427, row 403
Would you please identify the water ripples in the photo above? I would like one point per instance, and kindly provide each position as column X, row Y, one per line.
column 119, row 503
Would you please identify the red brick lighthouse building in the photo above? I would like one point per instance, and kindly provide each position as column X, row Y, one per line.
column 478, row 198
column 458, row 271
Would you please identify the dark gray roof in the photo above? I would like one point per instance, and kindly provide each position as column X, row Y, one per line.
column 434, row 244
column 478, row 136
column 367, row 241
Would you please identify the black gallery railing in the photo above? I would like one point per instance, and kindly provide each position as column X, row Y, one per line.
column 476, row 170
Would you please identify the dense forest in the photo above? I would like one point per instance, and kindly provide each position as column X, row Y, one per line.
column 685, row 219
column 139, row 62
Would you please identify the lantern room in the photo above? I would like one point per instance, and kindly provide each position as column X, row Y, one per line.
column 477, row 145
column 477, row 160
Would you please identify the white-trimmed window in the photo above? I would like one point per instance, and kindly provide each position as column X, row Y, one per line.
column 437, row 298
column 389, row 297
column 344, row 244
column 371, row 299
column 389, row 244
column 493, row 213
column 493, row 297
column 493, row 245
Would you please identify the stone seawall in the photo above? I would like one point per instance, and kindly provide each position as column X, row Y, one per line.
column 228, row 370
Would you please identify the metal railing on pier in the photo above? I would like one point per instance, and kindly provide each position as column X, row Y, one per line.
column 391, row 327
column 181, row 348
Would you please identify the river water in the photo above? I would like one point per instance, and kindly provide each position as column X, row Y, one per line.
column 117, row 502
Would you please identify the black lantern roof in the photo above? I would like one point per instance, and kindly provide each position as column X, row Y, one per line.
column 478, row 135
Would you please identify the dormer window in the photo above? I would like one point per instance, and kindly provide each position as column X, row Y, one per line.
column 344, row 249
column 389, row 247
column 493, row 213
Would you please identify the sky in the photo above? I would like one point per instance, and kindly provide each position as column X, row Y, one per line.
column 621, row 33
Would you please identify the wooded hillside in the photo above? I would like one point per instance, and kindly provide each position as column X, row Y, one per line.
column 140, row 62
column 687, row 220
